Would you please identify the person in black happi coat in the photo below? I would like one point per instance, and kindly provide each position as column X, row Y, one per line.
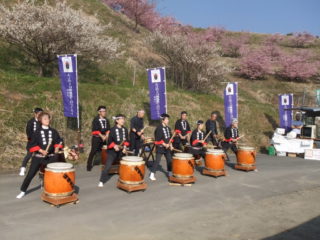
column 197, row 141
column 231, row 135
column 182, row 130
column 45, row 143
column 136, row 132
column 211, row 125
column 32, row 126
column 164, row 147
column 118, row 143
column 100, row 131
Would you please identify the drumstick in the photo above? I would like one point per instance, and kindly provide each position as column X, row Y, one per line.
column 177, row 150
column 207, row 136
column 49, row 143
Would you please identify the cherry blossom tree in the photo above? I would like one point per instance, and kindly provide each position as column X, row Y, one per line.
column 44, row 31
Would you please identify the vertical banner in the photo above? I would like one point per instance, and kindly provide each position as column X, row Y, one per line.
column 69, row 85
column 318, row 97
column 230, row 103
column 157, row 92
column 285, row 110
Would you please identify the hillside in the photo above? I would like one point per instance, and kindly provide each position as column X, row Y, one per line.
column 111, row 84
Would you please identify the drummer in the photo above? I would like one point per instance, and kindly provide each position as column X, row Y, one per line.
column 118, row 142
column 182, row 130
column 231, row 135
column 197, row 140
column 163, row 142
column 45, row 143
column 136, row 132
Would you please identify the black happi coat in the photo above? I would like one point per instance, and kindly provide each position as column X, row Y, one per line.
column 231, row 133
column 196, row 137
column 32, row 126
column 162, row 135
column 41, row 138
column 100, row 126
column 182, row 127
column 118, row 136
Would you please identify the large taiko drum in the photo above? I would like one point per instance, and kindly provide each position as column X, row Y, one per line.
column 183, row 165
column 132, row 170
column 59, row 179
column 214, row 160
column 246, row 158
column 148, row 140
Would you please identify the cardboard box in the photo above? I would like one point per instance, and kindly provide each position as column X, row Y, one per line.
column 312, row 154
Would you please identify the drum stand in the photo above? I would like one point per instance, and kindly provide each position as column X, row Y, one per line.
column 245, row 167
column 182, row 181
column 214, row 173
column 131, row 187
column 59, row 200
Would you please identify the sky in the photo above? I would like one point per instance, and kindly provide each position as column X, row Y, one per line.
column 261, row 16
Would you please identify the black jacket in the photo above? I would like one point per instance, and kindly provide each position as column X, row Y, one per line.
column 182, row 127
column 197, row 136
column 32, row 126
column 118, row 136
column 162, row 135
column 136, row 123
column 100, row 126
column 211, row 125
column 231, row 133
column 41, row 138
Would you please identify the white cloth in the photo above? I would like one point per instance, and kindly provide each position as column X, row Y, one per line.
column 285, row 144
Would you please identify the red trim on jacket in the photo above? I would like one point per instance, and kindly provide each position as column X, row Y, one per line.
column 158, row 142
column 58, row 145
column 188, row 131
column 34, row 149
column 195, row 142
column 171, row 140
column 177, row 131
column 96, row 133
column 111, row 145
column 228, row 140
column 126, row 144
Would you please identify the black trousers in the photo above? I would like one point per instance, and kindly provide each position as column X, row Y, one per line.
column 162, row 152
column 135, row 143
column 199, row 151
column 36, row 163
column 227, row 145
column 112, row 156
column 26, row 159
column 96, row 145
column 214, row 141
column 178, row 141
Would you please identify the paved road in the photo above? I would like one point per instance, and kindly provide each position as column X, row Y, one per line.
column 280, row 201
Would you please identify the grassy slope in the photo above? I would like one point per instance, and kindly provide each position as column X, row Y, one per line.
column 111, row 84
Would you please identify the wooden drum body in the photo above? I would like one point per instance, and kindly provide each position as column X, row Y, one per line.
column 59, row 179
column 214, row 163
column 246, row 159
column 183, row 168
column 131, row 174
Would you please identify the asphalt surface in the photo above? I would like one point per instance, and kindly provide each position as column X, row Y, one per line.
column 280, row 201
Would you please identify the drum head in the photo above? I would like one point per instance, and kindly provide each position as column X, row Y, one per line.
column 183, row 155
column 245, row 148
column 59, row 166
column 104, row 147
column 132, row 160
column 215, row 151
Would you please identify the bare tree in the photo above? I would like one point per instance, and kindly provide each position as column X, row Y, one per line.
column 43, row 31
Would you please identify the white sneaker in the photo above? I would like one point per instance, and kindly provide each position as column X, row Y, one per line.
column 152, row 177
column 100, row 184
column 22, row 171
column 20, row 195
column 169, row 174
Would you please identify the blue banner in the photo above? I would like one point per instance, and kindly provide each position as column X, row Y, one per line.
column 157, row 92
column 285, row 111
column 230, row 103
column 69, row 84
